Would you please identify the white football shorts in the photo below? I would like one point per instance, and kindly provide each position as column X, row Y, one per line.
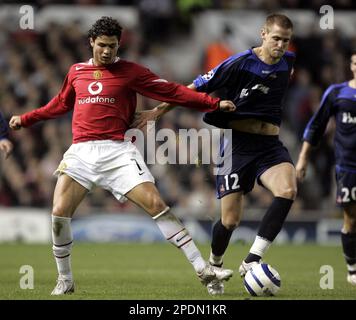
column 116, row 166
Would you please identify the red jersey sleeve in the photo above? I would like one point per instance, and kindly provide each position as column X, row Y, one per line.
column 60, row 104
column 150, row 85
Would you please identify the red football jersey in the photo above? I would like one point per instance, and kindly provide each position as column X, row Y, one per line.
column 104, row 99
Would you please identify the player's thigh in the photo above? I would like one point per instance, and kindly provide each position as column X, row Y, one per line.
column 68, row 194
column 281, row 180
column 231, row 209
column 146, row 196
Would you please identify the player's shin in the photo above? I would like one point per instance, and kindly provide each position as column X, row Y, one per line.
column 62, row 245
column 270, row 227
column 174, row 231
column 220, row 241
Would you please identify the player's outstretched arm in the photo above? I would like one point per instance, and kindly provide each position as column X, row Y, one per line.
column 303, row 160
column 142, row 117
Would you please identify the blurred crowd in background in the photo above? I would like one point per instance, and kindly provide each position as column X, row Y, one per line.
column 214, row 4
column 33, row 65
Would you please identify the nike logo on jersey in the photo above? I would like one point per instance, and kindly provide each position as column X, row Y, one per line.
column 78, row 68
column 160, row 80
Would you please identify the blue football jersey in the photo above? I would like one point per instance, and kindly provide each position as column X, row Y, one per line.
column 256, row 88
column 338, row 101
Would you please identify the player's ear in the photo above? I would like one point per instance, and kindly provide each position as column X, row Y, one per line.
column 263, row 33
column 91, row 42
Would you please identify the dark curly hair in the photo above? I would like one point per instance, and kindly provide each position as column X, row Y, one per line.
column 105, row 26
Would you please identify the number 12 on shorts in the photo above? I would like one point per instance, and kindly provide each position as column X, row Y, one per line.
column 231, row 181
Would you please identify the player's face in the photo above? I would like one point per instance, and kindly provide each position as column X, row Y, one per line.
column 104, row 49
column 276, row 40
column 353, row 64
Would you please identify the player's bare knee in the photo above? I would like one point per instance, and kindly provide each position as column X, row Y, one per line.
column 155, row 204
column 350, row 223
column 288, row 193
column 230, row 223
column 60, row 211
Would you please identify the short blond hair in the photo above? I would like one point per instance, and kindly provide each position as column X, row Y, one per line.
column 278, row 19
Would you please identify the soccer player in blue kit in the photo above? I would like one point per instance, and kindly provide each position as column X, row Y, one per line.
column 256, row 80
column 339, row 101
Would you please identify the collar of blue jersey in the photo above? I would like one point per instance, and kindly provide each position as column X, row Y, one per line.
column 259, row 59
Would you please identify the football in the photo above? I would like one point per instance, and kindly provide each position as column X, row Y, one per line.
column 262, row 280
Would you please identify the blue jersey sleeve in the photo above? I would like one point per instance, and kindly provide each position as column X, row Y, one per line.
column 317, row 124
column 220, row 76
column 3, row 128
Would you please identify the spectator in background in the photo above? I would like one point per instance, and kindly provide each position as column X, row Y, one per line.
column 218, row 50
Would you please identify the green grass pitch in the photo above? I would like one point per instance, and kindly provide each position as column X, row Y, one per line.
column 160, row 272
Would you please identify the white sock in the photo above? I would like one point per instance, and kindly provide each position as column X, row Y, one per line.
column 215, row 260
column 62, row 244
column 351, row 267
column 260, row 246
column 175, row 233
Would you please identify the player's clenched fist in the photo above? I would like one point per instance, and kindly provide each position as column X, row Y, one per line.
column 227, row 106
column 15, row 123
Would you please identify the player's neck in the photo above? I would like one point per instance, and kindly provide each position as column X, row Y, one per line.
column 352, row 83
column 97, row 63
column 263, row 55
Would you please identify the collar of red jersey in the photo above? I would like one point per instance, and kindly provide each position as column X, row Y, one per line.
column 91, row 62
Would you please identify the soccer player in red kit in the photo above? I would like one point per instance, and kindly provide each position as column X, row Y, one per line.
column 102, row 93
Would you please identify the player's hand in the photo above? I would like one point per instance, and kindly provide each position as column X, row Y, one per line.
column 6, row 146
column 301, row 169
column 142, row 117
column 15, row 123
column 227, row 106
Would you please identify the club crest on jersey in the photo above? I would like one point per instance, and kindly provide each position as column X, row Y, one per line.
column 208, row 75
column 97, row 74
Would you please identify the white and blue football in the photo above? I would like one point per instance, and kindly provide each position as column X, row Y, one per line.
column 262, row 280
